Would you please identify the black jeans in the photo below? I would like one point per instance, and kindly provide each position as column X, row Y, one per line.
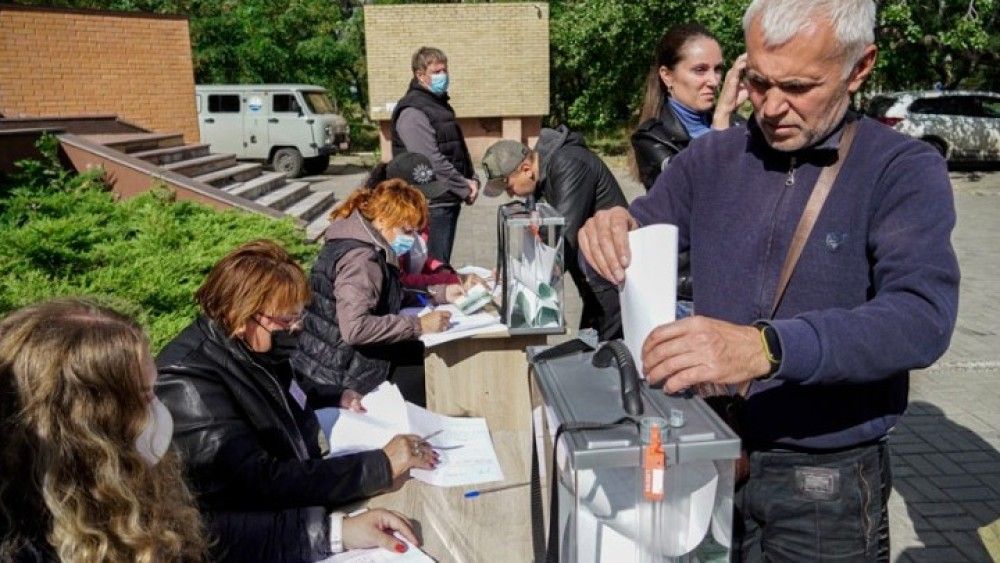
column 442, row 224
column 814, row 506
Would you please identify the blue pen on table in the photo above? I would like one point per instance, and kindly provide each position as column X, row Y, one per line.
column 477, row 492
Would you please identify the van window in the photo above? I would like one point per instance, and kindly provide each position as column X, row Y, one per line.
column 319, row 102
column 284, row 103
column 223, row 103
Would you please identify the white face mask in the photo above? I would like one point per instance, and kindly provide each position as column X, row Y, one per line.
column 154, row 440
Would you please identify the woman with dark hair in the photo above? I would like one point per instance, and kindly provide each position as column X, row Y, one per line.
column 248, row 432
column 86, row 473
column 680, row 105
column 680, row 101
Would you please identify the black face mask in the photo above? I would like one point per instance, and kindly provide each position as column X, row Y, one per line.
column 283, row 343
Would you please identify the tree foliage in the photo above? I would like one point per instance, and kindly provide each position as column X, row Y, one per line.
column 600, row 49
column 65, row 234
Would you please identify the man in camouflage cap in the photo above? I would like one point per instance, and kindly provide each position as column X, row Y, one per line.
column 562, row 171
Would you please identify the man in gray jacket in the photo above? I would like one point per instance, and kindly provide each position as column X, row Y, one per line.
column 576, row 182
column 424, row 122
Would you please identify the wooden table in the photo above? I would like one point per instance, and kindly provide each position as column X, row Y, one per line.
column 485, row 376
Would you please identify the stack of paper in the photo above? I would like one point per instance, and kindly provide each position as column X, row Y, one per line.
column 377, row 555
column 466, row 450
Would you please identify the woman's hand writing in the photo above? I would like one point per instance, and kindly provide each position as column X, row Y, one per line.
column 435, row 321
column 406, row 451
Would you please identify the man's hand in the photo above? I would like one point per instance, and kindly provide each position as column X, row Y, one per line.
column 473, row 192
column 375, row 527
column 702, row 350
column 603, row 240
column 351, row 400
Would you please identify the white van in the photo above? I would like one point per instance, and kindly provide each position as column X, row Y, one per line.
column 295, row 127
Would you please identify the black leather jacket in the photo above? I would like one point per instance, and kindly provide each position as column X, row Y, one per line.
column 655, row 142
column 253, row 456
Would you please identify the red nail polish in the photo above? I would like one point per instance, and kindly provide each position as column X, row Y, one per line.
column 400, row 548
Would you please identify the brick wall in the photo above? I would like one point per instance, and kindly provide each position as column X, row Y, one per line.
column 498, row 62
column 73, row 62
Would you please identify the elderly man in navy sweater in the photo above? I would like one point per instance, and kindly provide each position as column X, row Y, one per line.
column 874, row 293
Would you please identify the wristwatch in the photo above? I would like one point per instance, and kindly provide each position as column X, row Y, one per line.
column 772, row 346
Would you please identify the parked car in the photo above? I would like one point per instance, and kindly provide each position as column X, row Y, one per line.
column 962, row 126
column 295, row 127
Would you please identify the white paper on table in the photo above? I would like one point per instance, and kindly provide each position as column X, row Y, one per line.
column 475, row 461
column 650, row 290
column 377, row 555
column 461, row 325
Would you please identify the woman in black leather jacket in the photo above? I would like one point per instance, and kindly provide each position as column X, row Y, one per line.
column 680, row 102
column 250, row 441
column 680, row 105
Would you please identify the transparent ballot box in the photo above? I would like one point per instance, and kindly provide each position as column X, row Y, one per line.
column 530, row 264
column 621, row 494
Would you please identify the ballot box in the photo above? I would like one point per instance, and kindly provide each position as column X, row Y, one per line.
column 655, row 485
column 530, row 264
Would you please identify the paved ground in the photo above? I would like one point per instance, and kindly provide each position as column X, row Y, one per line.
column 946, row 452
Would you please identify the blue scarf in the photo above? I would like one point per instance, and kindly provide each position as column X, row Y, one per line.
column 696, row 123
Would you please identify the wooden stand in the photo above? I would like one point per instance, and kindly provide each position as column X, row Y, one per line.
column 487, row 376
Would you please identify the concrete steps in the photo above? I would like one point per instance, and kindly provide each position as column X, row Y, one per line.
column 312, row 205
column 242, row 179
column 137, row 142
column 259, row 186
column 172, row 154
column 237, row 173
column 201, row 165
column 316, row 227
column 286, row 195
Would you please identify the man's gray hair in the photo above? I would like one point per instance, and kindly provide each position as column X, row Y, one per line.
column 425, row 56
column 853, row 22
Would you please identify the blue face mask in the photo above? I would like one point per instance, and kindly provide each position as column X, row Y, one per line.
column 439, row 83
column 402, row 244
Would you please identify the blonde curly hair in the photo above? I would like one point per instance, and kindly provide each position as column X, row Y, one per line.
column 72, row 403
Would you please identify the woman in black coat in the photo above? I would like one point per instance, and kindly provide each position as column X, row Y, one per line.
column 682, row 100
column 252, row 447
column 680, row 104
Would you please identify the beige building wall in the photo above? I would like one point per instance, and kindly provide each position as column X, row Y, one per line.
column 138, row 66
column 498, row 61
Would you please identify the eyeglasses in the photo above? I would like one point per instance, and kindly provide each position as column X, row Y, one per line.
column 285, row 321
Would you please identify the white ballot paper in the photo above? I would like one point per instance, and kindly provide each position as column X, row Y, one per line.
column 650, row 290
column 464, row 445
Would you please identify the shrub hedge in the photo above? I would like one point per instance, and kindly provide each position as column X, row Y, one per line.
column 63, row 233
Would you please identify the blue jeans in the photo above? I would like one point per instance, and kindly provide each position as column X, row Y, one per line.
column 814, row 506
column 443, row 222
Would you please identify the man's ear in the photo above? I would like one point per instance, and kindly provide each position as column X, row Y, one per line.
column 862, row 69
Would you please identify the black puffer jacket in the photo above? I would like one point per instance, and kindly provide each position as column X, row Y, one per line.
column 327, row 361
column 253, row 456
column 447, row 132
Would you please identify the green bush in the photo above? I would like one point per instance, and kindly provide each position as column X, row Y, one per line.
column 65, row 234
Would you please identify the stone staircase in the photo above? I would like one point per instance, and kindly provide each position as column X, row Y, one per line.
column 247, row 180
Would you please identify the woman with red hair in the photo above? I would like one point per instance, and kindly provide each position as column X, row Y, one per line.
column 353, row 336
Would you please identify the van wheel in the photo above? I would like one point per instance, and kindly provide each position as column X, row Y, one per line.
column 317, row 164
column 288, row 161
